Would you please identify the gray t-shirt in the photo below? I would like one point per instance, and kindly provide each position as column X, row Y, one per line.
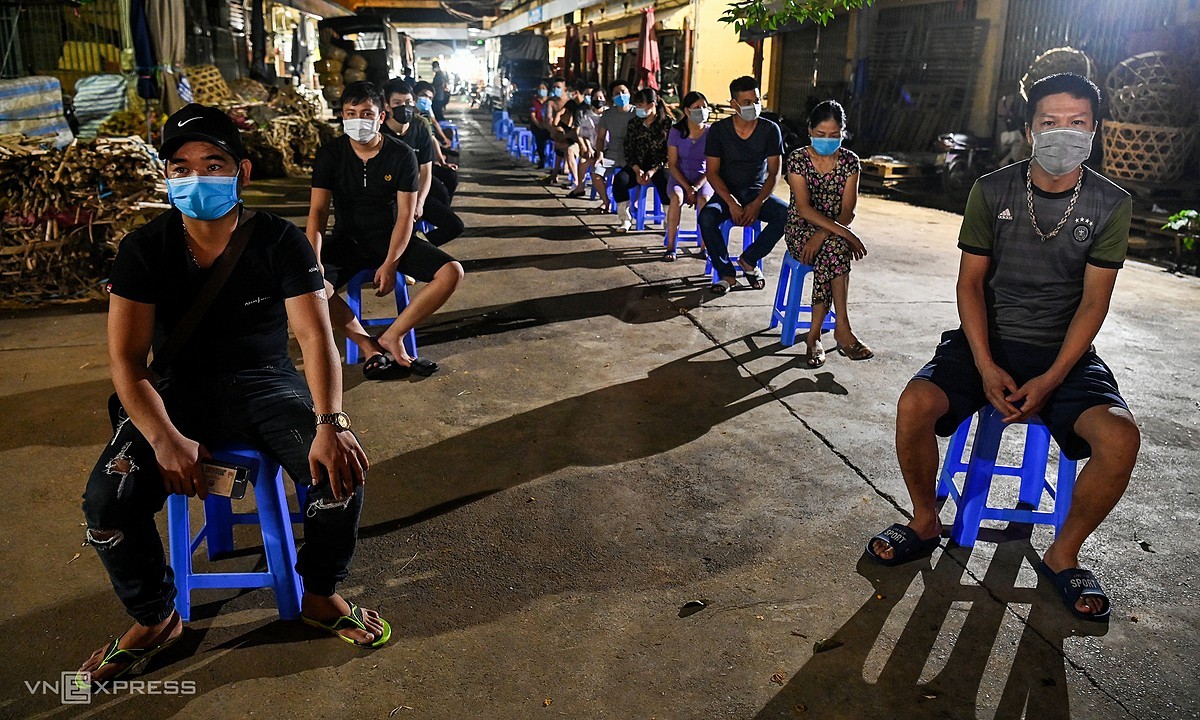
column 1034, row 286
column 612, row 126
column 743, row 162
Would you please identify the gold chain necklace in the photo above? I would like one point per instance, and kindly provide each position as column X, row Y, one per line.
column 1066, row 215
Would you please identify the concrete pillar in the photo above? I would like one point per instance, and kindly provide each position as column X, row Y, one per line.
column 987, row 78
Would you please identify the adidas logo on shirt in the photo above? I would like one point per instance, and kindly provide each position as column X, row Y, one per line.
column 1005, row 214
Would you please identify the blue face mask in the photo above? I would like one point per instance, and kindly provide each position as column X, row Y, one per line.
column 621, row 100
column 203, row 197
column 826, row 146
column 424, row 104
column 641, row 112
column 542, row 92
column 587, row 99
column 557, row 92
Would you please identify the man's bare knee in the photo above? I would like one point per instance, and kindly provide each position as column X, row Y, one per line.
column 1113, row 435
column 451, row 272
column 921, row 403
column 102, row 539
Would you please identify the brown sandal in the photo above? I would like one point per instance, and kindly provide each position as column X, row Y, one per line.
column 857, row 351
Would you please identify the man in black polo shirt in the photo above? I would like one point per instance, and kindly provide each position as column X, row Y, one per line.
column 231, row 380
column 433, row 201
column 1042, row 241
column 743, row 155
column 372, row 180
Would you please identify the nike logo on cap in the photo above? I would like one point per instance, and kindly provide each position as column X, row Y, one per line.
column 185, row 122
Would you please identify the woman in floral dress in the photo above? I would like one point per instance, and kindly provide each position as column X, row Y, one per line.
column 824, row 181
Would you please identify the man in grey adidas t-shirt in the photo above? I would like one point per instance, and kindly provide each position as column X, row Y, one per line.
column 1042, row 242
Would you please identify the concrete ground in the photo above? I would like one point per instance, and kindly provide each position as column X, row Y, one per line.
column 606, row 443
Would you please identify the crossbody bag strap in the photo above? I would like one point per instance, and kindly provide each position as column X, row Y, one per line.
column 222, row 269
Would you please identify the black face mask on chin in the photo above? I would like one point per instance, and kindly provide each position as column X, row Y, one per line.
column 402, row 114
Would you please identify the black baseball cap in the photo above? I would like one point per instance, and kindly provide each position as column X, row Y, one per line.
column 201, row 122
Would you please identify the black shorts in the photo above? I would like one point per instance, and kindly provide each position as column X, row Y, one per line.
column 1089, row 384
column 343, row 260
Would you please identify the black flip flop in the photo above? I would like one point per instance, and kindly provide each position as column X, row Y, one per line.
column 1074, row 583
column 382, row 366
column 422, row 367
column 906, row 545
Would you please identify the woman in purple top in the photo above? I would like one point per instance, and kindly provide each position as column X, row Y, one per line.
column 686, row 163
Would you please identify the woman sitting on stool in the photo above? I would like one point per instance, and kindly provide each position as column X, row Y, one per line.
column 824, row 181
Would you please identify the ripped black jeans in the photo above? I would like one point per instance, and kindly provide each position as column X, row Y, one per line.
column 269, row 408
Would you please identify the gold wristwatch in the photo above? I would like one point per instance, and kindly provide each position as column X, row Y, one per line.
column 339, row 420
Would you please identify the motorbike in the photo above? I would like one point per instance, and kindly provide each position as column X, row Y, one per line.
column 962, row 159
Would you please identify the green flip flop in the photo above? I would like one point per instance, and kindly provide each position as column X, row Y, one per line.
column 353, row 620
column 128, row 656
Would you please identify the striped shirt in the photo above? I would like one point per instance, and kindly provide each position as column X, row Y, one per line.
column 1034, row 286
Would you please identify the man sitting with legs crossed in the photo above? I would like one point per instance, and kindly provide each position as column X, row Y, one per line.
column 372, row 180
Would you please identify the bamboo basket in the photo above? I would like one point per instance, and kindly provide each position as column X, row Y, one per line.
column 209, row 86
column 1146, row 153
column 1149, row 68
column 1054, row 61
column 1167, row 105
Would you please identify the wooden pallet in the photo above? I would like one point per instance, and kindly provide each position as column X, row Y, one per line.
column 896, row 170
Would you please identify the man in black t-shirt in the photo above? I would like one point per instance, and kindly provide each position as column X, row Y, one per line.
column 743, row 154
column 433, row 200
column 441, row 91
column 230, row 381
column 372, row 180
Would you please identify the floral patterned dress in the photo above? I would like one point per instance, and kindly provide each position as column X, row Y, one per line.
column 825, row 192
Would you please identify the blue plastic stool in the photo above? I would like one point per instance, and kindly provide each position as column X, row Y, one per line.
column 641, row 204
column 354, row 300
column 504, row 128
column 749, row 235
column 452, row 130
column 525, row 145
column 981, row 467
column 685, row 236
column 549, row 157
column 787, row 309
column 520, row 143
column 498, row 118
column 612, row 200
column 272, row 515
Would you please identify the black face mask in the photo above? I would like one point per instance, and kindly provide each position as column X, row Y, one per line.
column 402, row 114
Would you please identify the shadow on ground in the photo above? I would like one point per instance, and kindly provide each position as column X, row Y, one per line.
column 910, row 682
column 609, row 426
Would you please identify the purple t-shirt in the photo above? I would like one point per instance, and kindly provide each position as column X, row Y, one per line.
column 691, row 153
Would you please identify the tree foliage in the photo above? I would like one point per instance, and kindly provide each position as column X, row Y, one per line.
column 774, row 14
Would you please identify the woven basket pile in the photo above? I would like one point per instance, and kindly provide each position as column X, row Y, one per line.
column 1152, row 131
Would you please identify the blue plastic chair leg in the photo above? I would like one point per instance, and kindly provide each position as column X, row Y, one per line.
column 279, row 546
column 354, row 300
column 974, row 495
column 179, row 540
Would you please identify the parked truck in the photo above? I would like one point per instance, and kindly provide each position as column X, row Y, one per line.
column 516, row 63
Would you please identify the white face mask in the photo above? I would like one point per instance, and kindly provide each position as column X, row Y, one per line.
column 750, row 112
column 1061, row 150
column 699, row 115
column 360, row 129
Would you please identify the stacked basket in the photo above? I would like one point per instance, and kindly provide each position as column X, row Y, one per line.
column 1152, row 132
column 336, row 69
